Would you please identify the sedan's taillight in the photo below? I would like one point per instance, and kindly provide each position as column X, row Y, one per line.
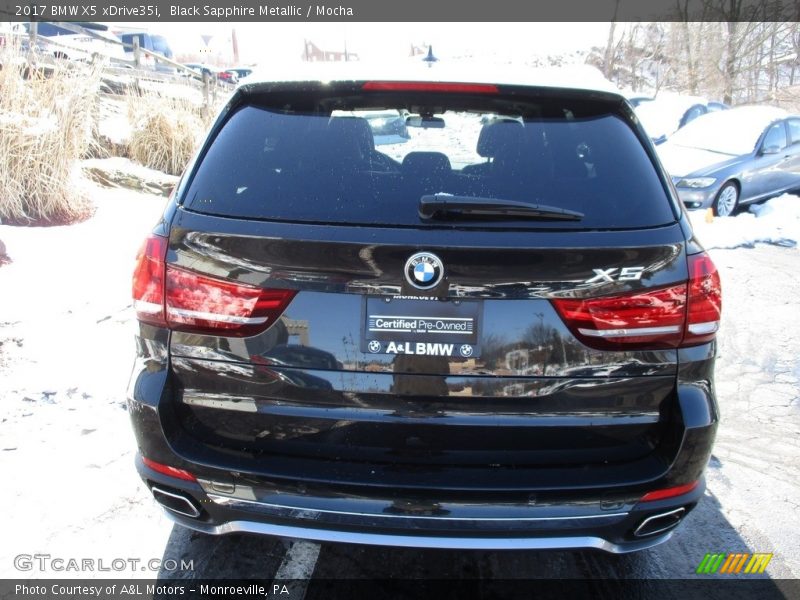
column 183, row 300
column 686, row 314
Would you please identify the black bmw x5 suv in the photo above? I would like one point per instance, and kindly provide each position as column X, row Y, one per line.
column 496, row 333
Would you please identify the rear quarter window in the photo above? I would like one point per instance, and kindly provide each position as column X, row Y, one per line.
column 327, row 168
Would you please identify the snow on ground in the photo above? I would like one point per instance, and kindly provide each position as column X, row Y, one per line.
column 777, row 221
column 66, row 350
column 114, row 124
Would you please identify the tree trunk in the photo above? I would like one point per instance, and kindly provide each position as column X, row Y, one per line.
column 608, row 59
column 729, row 73
column 691, row 67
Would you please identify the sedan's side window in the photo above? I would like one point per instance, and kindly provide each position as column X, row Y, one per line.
column 776, row 137
column 794, row 131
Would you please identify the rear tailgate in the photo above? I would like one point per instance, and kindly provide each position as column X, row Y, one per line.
column 483, row 369
column 310, row 385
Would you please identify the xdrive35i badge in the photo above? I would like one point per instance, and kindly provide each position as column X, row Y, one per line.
column 424, row 270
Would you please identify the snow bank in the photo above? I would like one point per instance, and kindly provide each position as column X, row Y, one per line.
column 775, row 222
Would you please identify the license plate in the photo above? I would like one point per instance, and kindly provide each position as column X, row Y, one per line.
column 421, row 327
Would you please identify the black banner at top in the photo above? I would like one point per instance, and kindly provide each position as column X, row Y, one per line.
column 407, row 10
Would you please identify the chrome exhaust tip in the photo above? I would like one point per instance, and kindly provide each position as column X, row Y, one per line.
column 659, row 523
column 175, row 502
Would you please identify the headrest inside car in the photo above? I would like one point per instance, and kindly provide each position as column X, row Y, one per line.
column 499, row 136
column 428, row 162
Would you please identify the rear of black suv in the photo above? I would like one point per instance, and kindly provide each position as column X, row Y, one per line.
column 495, row 333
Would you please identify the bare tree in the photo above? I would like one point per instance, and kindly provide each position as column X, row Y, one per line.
column 734, row 50
column 610, row 53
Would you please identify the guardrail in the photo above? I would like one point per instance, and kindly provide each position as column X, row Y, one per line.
column 115, row 67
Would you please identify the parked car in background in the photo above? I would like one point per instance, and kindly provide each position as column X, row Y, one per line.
column 155, row 43
column 214, row 73
column 197, row 70
column 227, row 75
column 667, row 113
column 498, row 335
column 80, row 41
column 388, row 126
column 735, row 157
column 242, row 72
column 637, row 100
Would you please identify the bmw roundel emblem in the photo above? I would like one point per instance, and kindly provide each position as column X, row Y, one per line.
column 424, row 270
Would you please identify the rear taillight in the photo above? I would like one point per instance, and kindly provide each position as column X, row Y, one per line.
column 672, row 492
column 167, row 470
column 204, row 304
column 705, row 301
column 650, row 318
column 183, row 300
column 148, row 281
column 681, row 315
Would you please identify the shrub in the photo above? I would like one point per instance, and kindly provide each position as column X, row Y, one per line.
column 47, row 119
column 166, row 132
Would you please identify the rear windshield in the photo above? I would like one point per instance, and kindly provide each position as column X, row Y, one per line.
column 372, row 165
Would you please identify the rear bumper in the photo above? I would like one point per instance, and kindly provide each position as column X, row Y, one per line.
column 423, row 541
column 593, row 525
column 526, row 509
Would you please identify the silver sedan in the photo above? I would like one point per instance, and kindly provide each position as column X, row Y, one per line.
column 727, row 159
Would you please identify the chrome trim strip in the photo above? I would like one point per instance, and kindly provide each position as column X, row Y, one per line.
column 221, row 401
column 632, row 332
column 149, row 308
column 230, row 501
column 194, row 513
column 356, row 413
column 414, row 541
column 207, row 316
column 676, row 512
column 704, row 328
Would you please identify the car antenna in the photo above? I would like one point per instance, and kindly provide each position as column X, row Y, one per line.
column 430, row 59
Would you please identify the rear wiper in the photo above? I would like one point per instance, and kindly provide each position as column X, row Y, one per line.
column 445, row 206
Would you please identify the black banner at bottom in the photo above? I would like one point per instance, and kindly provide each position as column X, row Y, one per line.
column 722, row 588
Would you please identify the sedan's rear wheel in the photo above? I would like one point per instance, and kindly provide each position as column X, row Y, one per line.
column 727, row 200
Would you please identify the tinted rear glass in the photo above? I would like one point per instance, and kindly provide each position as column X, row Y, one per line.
column 371, row 166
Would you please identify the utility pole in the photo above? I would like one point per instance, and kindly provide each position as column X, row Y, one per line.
column 235, row 43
